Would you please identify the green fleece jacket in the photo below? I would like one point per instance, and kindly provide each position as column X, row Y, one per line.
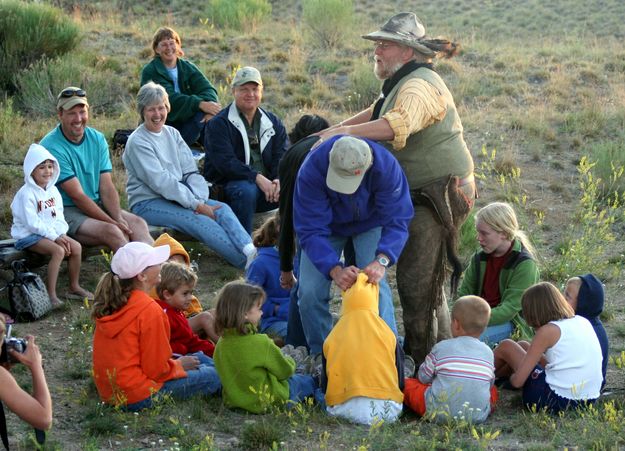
column 194, row 88
column 252, row 363
column 518, row 273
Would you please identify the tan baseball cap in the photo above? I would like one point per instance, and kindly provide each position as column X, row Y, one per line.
column 71, row 96
column 247, row 74
column 349, row 160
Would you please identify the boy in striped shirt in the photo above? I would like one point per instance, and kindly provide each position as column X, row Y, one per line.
column 455, row 382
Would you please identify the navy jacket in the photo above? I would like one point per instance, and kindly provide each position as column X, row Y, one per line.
column 227, row 148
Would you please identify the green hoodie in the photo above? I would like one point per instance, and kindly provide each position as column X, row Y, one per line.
column 518, row 273
column 248, row 363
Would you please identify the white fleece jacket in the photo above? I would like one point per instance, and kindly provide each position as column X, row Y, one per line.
column 38, row 210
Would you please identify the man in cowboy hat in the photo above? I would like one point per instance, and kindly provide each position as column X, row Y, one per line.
column 90, row 199
column 416, row 117
column 347, row 188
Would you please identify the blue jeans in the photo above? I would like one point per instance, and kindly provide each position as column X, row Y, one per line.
column 203, row 380
column 314, row 289
column 295, row 332
column 494, row 334
column 193, row 129
column 245, row 198
column 276, row 329
column 223, row 235
column 301, row 386
column 27, row 241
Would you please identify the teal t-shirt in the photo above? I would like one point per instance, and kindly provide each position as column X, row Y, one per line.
column 85, row 161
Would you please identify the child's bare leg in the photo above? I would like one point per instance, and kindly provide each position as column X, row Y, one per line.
column 57, row 254
column 204, row 322
column 508, row 356
column 73, row 267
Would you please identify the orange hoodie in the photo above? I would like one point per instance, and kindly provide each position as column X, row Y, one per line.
column 131, row 352
column 177, row 249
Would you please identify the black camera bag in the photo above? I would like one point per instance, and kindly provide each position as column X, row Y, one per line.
column 28, row 295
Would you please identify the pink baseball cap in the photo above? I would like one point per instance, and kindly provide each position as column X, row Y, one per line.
column 134, row 257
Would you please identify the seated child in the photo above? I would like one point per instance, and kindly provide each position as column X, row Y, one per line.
column 175, row 292
column 569, row 372
column 201, row 322
column 585, row 295
column 250, row 365
column 264, row 271
column 39, row 224
column 363, row 375
column 456, row 379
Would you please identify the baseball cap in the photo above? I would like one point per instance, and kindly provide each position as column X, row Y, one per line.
column 349, row 160
column 71, row 96
column 246, row 75
column 134, row 257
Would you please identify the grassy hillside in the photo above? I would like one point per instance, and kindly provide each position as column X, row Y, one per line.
column 540, row 88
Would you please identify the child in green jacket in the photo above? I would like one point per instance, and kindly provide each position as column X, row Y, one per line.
column 253, row 371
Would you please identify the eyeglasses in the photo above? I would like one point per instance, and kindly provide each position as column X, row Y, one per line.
column 384, row 45
column 73, row 92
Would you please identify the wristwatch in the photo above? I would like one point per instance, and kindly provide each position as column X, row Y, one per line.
column 383, row 260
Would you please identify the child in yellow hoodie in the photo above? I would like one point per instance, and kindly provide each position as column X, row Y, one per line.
column 364, row 375
column 201, row 322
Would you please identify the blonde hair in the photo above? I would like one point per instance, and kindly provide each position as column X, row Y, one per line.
column 234, row 300
column 173, row 276
column 268, row 233
column 542, row 303
column 500, row 217
column 111, row 294
column 473, row 314
column 577, row 281
column 166, row 33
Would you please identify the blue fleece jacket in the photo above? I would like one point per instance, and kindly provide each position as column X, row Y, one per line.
column 382, row 199
column 590, row 301
column 265, row 272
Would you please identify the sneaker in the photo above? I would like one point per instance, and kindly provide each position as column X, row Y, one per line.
column 409, row 366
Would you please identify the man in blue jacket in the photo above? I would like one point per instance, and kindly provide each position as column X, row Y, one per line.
column 244, row 144
column 347, row 188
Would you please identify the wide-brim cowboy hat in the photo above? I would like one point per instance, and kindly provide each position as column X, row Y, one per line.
column 405, row 29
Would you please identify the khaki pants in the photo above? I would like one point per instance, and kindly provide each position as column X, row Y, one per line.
column 421, row 274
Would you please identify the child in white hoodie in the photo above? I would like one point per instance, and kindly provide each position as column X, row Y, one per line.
column 39, row 224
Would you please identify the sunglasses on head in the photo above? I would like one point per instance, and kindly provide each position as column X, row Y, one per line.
column 73, row 92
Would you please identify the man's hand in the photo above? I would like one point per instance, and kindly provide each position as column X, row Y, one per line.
column 344, row 278
column 211, row 108
column 189, row 362
column 64, row 243
column 374, row 271
column 207, row 210
column 287, row 280
column 268, row 188
column 123, row 226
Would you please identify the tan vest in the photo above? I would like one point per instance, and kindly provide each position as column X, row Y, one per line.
column 435, row 151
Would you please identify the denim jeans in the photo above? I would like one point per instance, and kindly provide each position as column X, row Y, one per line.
column 245, row 198
column 314, row 289
column 225, row 235
column 295, row 331
column 494, row 334
column 193, row 129
column 276, row 329
column 203, row 380
column 301, row 386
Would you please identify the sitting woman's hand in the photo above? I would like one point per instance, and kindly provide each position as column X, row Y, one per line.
column 207, row 210
column 189, row 362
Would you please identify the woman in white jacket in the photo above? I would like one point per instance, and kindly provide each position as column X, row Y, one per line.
column 39, row 224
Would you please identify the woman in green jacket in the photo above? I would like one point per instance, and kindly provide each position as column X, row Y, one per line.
column 192, row 97
column 501, row 271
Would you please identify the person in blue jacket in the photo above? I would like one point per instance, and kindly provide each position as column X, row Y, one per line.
column 347, row 188
column 586, row 295
column 244, row 144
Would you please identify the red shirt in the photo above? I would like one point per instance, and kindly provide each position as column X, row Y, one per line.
column 490, row 287
column 183, row 340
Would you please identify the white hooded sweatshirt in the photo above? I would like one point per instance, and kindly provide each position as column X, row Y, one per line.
column 37, row 210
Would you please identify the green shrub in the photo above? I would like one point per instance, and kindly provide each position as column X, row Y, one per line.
column 330, row 21
column 239, row 14
column 40, row 84
column 29, row 32
column 609, row 157
column 364, row 88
